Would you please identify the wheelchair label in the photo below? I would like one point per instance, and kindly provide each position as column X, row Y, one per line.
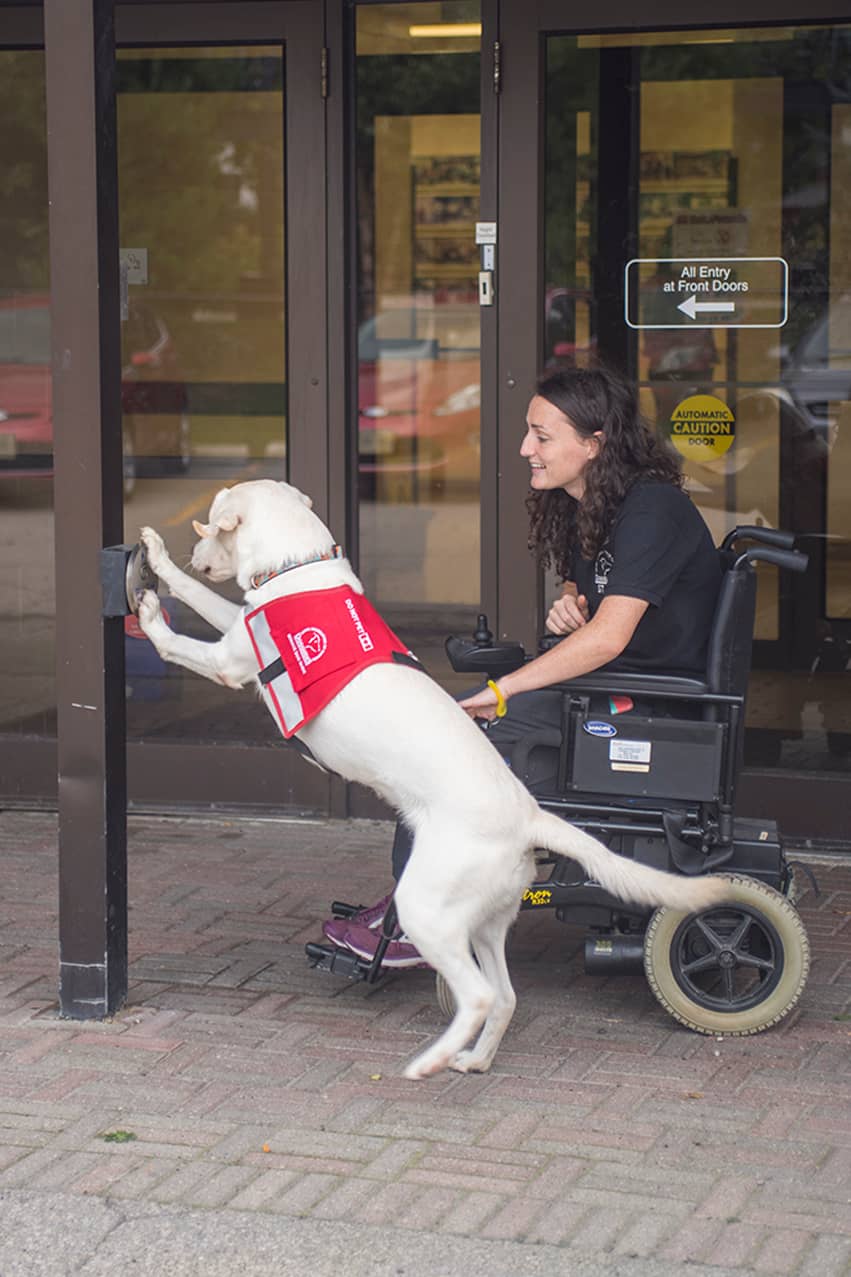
column 630, row 755
column 598, row 728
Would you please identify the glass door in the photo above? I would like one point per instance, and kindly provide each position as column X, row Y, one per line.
column 221, row 195
column 418, row 183
column 204, row 350
column 221, row 159
column 27, row 596
column 690, row 231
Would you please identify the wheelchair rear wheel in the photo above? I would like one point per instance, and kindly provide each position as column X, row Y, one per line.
column 735, row 969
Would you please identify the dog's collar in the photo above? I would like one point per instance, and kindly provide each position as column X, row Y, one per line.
column 336, row 552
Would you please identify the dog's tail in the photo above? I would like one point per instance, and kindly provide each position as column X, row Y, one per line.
column 625, row 878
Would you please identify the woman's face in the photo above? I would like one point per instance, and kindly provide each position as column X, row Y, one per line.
column 557, row 453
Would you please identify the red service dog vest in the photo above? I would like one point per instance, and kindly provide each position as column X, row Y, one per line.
column 309, row 646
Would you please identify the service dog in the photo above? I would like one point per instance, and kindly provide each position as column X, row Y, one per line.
column 392, row 728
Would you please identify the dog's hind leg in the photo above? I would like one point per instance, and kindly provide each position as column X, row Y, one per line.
column 473, row 1000
column 489, row 948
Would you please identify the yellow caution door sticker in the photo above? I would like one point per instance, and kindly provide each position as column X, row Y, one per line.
column 703, row 427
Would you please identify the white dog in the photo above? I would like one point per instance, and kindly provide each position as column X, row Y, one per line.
column 394, row 729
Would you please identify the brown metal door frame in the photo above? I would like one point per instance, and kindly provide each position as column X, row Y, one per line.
column 88, row 513
column 342, row 302
column 807, row 805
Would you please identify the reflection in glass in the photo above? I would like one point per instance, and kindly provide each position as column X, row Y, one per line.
column 418, row 160
column 27, row 600
column 729, row 161
column 203, row 376
column 201, row 211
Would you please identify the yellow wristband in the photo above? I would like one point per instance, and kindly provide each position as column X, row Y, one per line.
column 501, row 703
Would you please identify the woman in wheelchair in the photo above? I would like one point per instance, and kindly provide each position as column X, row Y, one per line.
column 641, row 578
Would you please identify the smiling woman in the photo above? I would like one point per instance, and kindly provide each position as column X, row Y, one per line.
column 557, row 453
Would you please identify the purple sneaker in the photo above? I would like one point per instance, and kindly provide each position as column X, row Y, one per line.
column 364, row 941
column 373, row 916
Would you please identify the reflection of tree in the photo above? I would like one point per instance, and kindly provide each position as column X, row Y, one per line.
column 200, row 182
column 200, row 179
column 572, row 87
column 23, row 172
column 401, row 85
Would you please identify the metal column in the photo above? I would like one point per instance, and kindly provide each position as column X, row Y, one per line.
column 85, row 315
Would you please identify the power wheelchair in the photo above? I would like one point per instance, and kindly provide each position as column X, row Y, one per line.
column 660, row 787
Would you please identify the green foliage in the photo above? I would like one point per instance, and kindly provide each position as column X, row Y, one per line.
column 23, row 172
column 119, row 1137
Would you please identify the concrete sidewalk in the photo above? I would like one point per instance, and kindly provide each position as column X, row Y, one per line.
column 260, row 1125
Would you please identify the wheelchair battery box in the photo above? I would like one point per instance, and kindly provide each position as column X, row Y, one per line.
column 647, row 757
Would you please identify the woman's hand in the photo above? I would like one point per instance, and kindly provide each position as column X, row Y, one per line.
column 568, row 614
column 483, row 705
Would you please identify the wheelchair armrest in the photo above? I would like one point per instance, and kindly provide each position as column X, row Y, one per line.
column 659, row 686
column 765, row 536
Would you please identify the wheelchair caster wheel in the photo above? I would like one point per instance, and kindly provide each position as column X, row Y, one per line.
column 445, row 998
column 735, row 969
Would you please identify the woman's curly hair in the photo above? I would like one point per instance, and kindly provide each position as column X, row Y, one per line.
column 595, row 399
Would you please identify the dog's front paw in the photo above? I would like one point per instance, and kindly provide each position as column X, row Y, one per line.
column 158, row 555
column 150, row 614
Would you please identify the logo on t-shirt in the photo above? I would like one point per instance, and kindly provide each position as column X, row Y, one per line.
column 602, row 567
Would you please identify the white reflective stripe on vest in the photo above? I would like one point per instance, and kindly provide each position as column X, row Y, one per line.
column 283, row 703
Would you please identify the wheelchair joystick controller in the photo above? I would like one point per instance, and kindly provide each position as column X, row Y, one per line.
column 481, row 655
column 482, row 636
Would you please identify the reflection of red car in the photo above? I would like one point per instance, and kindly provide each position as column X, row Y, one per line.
column 419, row 393
column 155, row 418
column 26, row 427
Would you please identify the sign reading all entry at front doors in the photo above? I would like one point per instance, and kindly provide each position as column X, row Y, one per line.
column 706, row 292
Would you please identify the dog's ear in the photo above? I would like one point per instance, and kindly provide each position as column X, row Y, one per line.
column 224, row 523
column 227, row 521
column 223, row 516
column 302, row 496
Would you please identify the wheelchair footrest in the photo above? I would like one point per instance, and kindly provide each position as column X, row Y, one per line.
column 339, row 909
column 327, row 957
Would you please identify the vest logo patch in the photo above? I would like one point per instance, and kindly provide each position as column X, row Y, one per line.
column 308, row 645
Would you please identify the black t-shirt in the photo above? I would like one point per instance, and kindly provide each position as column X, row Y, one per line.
column 659, row 550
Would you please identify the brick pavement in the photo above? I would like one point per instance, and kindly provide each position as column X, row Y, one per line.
column 253, row 1086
